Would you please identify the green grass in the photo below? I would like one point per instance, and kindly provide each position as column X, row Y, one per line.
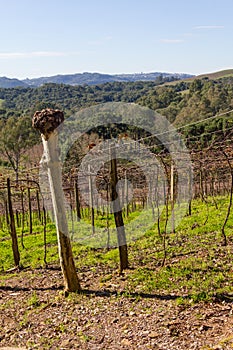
column 197, row 266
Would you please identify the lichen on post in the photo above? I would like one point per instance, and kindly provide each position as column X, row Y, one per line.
column 47, row 121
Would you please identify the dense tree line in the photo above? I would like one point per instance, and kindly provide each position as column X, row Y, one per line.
column 182, row 102
column 71, row 98
column 189, row 102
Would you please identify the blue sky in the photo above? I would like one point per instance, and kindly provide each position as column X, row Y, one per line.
column 48, row 37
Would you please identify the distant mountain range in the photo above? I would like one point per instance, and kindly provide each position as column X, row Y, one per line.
column 89, row 79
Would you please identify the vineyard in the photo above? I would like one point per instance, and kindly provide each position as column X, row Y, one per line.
column 25, row 206
column 149, row 222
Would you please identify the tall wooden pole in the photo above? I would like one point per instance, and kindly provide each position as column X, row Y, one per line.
column 126, row 195
column 29, row 209
column 121, row 238
column 14, row 239
column 92, row 211
column 38, row 205
column 46, row 122
column 190, row 193
column 77, row 202
column 172, row 199
column 23, row 217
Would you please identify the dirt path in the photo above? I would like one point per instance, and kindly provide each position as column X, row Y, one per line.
column 35, row 314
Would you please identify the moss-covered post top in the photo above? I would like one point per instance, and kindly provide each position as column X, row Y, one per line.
column 47, row 120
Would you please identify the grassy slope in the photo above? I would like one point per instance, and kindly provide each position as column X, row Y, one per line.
column 197, row 265
column 185, row 304
column 217, row 75
column 212, row 76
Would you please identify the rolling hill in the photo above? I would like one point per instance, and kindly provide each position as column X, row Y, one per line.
column 11, row 83
column 210, row 76
column 217, row 75
column 87, row 78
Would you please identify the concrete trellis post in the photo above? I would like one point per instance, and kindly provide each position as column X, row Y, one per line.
column 46, row 121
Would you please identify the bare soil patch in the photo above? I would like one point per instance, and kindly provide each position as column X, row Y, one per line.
column 35, row 314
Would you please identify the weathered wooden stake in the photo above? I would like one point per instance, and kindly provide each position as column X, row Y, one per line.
column 123, row 250
column 14, row 239
column 126, row 195
column 46, row 121
column 92, row 211
column 23, row 219
column 6, row 212
column 29, row 209
column 45, row 236
column 107, row 219
column 172, row 199
column 77, row 202
column 190, row 193
column 38, row 205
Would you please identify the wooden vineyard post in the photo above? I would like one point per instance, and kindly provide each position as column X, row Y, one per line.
column 126, row 195
column 45, row 236
column 46, row 121
column 157, row 201
column 71, row 214
column 77, row 202
column 29, row 208
column 121, row 238
column 17, row 218
column 190, row 193
column 92, row 211
column 6, row 212
column 172, row 199
column 23, row 218
column 14, row 239
column 107, row 218
column 38, row 205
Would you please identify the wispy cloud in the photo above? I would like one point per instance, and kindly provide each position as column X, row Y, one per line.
column 9, row 55
column 209, row 27
column 101, row 41
column 187, row 35
column 171, row 41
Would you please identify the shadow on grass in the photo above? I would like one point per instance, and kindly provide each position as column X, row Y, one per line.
column 134, row 295
column 28, row 289
column 97, row 293
column 106, row 293
column 227, row 298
